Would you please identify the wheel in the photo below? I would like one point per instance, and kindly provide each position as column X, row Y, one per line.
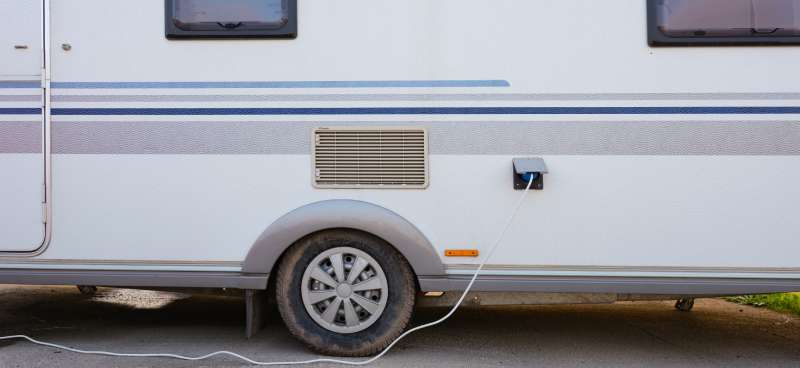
column 685, row 304
column 87, row 290
column 345, row 293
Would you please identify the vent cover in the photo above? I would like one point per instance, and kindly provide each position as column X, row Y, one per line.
column 370, row 158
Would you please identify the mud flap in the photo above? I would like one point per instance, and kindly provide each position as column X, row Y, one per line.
column 255, row 304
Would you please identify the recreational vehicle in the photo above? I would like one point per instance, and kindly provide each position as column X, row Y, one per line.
column 354, row 158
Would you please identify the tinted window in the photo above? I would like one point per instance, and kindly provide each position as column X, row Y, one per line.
column 230, row 18
column 716, row 21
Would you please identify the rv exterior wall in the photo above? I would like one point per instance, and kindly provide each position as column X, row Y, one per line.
column 664, row 163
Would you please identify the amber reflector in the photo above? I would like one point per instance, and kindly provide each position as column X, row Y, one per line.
column 461, row 253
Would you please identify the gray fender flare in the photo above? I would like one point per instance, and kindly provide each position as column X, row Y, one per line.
column 343, row 213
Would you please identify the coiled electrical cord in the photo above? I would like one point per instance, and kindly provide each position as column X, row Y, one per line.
column 489, row 254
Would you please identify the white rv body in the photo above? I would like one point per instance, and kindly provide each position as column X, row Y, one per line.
column 671, row 170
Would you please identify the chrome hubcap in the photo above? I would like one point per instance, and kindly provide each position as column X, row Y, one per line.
column 344, row 290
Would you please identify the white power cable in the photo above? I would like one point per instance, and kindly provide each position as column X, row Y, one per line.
column 311, row 361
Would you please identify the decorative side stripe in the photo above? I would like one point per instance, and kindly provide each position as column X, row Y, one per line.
column 20, row 84
column 287, row 137
column 291, row 84
column 20, row 98
column 677, row 110
column 590, row 268
column 250, row 97
column 20, row 111
column 21, row 137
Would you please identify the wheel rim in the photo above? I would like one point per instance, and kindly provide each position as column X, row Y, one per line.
column 344, row 290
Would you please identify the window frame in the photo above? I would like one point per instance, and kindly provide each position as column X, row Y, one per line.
column 656, row 38
column 288, row 31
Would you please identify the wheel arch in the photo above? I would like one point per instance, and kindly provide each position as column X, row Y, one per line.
column 343, row 214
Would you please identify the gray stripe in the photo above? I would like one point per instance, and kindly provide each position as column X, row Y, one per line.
column 21, row 137
column 430, row 97
column 20, row 98
column 481, row 138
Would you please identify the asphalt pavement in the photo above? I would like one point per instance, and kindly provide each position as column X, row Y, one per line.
column 641, row 334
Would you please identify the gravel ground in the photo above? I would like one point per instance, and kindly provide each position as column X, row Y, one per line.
column 652, row 334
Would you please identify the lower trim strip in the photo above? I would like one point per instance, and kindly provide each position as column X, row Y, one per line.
column 135, row 278
column 470, row 269
column 627, row 285
column 540, row 284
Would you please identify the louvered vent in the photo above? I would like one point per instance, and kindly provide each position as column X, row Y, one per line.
column 371, row 158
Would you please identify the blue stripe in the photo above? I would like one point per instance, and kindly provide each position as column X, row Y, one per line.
column 290, row 84
column 20, row 111
column 679, row 110
column 20, row 84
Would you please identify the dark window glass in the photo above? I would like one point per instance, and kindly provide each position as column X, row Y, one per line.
column 209, row 15
column 230, row 18
column 722, row 19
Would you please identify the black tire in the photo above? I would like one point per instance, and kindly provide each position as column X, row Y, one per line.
column 392, row 321
column 87, row 290
column 685, row 304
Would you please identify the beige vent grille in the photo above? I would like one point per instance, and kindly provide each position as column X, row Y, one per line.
column 371, row 158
